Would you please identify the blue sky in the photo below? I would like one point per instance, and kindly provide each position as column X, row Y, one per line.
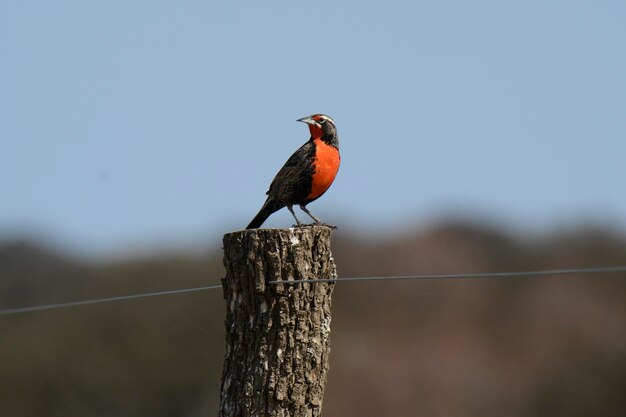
column 130, row 125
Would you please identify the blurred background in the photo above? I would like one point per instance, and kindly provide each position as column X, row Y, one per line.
column 476, row 137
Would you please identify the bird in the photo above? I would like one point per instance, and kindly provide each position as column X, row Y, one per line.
column 307, row 174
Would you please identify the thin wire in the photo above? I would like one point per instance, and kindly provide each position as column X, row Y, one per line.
column 571, row 271
column 103, row 300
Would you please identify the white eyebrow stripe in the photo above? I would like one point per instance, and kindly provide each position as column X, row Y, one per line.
column 327, row 118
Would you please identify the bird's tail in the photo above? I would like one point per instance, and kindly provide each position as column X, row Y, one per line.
column 268, row 208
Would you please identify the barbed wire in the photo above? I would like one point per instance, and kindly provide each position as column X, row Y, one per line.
column 548, row 272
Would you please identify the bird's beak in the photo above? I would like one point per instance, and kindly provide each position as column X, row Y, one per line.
column 308, row 120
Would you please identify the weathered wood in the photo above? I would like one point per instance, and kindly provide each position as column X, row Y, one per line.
column 277, row 336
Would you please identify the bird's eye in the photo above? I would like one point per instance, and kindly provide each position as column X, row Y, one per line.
column 321, row 120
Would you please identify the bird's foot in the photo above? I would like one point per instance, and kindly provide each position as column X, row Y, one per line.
column 330, row 226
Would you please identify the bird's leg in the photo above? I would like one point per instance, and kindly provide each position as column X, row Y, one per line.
column 304, row 209
column 317, row 221
column 290, row 207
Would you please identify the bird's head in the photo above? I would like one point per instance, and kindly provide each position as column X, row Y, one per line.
column 320, row 126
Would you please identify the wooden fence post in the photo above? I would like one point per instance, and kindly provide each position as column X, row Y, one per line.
column 277, row 335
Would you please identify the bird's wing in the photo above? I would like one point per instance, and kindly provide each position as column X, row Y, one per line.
column 291, row 182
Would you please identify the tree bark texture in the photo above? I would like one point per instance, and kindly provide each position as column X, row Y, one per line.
column 277, row 335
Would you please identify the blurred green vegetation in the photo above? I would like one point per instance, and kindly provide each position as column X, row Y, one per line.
column 526, row 346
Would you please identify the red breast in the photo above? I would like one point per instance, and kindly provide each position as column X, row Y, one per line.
column 326, row 164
